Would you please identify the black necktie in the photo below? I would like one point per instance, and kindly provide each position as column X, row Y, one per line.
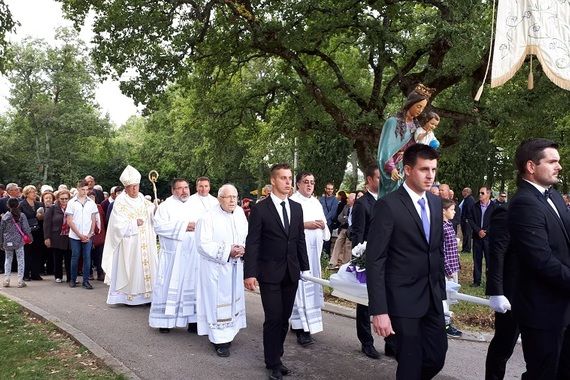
column 547, row 193
column 285, row 217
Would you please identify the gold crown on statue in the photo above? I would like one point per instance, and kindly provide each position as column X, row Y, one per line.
column 424, row 90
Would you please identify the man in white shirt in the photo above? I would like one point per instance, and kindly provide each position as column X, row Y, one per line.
column 81, row 213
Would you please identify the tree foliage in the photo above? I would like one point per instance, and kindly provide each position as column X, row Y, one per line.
column 349, row 60
column 54, row 130
column 7, row 25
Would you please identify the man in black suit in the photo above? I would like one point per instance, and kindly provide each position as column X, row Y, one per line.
column 501, row 289
column 479, row 220
column 465, row 206
column 539, row 225
column 275, row 256
column 404, row 269
column 361, row 218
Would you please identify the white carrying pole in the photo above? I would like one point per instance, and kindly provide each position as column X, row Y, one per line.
column 451, row 295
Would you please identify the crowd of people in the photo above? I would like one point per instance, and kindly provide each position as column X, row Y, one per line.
column 210, row 251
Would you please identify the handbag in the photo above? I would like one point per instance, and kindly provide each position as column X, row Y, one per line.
column 25, row 237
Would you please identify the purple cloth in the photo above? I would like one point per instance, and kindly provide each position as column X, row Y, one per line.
column 450, row 251
column 359, row 274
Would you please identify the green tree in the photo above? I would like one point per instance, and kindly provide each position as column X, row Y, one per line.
column 55, row 131
column 351, row 60
column 7, row 25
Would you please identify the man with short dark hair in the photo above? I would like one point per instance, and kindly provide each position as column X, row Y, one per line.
column 174, row 289
column 361, row 220
column 539, row 228
column 465, row 207
column 330, row 207
column 99, row 196
column 202, row 200
column 80, row 215
column 502, row 198
column 306, row 318
column 480, row 220
column 275, row 256
column 404, row 269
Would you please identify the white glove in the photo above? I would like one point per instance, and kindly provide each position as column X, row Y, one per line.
column 500, row 304
column 305, row 273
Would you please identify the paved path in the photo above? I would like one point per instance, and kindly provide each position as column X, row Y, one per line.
column 121, row 333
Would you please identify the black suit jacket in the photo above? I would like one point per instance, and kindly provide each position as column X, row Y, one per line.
column 541, row 248
column 466, row 208
column 404, row 271
column 475, row 218
column 269, row 250
column 502, row 269
column 361, row 217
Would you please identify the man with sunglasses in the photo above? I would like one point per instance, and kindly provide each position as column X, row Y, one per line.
column 307, row 318
column 479, row 221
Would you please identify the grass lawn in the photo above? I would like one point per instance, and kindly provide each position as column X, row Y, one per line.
column 467, row 315
column 33, row 349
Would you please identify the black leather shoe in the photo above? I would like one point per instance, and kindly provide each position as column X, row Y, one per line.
column 370, row 351
column 275, row 374
column 87, row 285
column 389, row 350
column 192, row 328
column 37, row 278
column 304, row 339
column 284, row 370
column 163, row 330
column 222, row 350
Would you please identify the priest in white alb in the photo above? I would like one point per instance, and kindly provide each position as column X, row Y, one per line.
column 202, row 200
column 220, row 240
column 174, row 290
column 307, row 318
column 130, row 255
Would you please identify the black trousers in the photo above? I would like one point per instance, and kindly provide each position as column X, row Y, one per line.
column 363, row 330
column 96, row 257
column 277, row 300
column 421, row 345
column 564, row 362
column 501, row 346
column 32, row 257
column 60, row 257
column 467, row 235
column 480, row 250
column 541, row 350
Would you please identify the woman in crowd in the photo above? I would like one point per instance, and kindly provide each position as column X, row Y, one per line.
column 32, row 252
column 56, row 233
column 46, row 262
column 397, row 135
column 12, row 229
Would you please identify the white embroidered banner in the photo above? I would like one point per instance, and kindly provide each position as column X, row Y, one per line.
column 539, row 27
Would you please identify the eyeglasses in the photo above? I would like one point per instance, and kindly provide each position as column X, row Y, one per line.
column 308, row 182
column 229, row 196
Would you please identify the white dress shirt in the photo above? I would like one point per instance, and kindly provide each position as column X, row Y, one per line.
column 415, row 198
column 277, row 202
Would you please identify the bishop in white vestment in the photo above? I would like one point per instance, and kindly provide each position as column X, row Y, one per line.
column 174, row 289
column 220, row 240
column 307, row 318
column 130, row 255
